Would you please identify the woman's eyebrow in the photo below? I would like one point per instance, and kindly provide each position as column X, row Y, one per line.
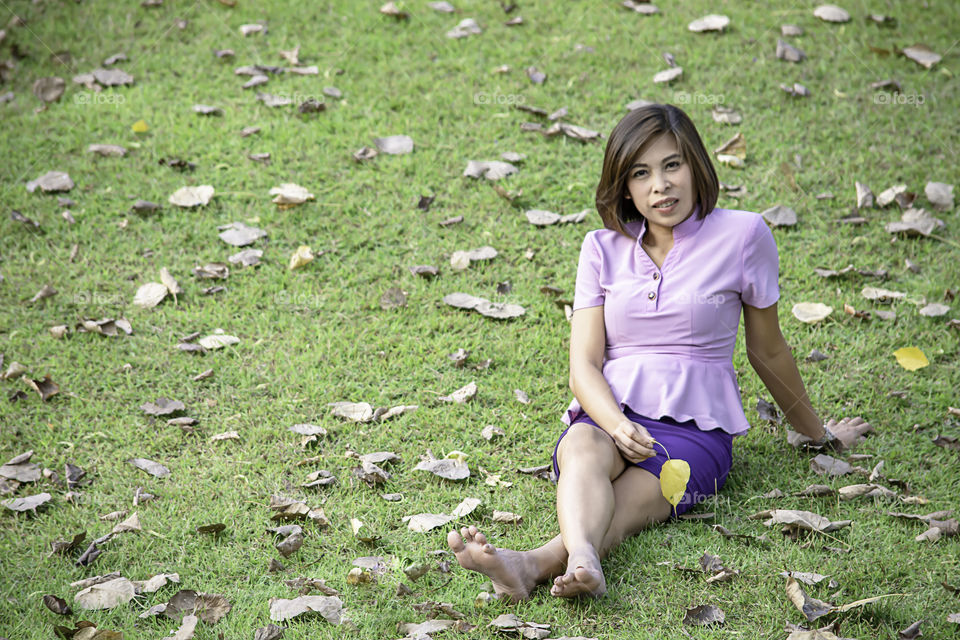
column 670, row 157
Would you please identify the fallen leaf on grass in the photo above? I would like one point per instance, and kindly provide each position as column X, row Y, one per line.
column 507, row 517
column 155, row 583
column 827, row 465
column 483, row 306
column 209, row 607
column 130, row 524
column 240, row 235
column 882, row 295
column 780, row 216
column 466, row 27
column 51, row 182
column 510, row 622
column 187, row 628
column 45, row 388
column 445, row 468
column 290, row 193
column 192, row 196
column 162, row 407
column 712, row 22
column 107, row 150
column 795, row 519
column 788, row 52
column 355, row 411
column 540, row 218
column 667, row 75
column 489, row 169
column 733, row 152
column 939, row 529
column 57, row 605
column 217, row 340
column 290, row 545
column 811, row 312
column 813, row 608
column 911, row 358
column 461, row 395
column 153, row 468
column 462, row 259
column 247, row 257
column 865, row 491
column 810, row 607
column 423, row 522
column 704, row 615
column 302, row 256
column 150, row 295
column 106, row 595
column 831, row 13
column 922, row 55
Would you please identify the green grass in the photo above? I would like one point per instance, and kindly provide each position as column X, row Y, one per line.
column 318, row 335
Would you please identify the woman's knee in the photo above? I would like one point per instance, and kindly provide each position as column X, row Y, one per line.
column 588, row 444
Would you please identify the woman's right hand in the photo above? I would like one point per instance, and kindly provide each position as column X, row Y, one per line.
column 633, row 441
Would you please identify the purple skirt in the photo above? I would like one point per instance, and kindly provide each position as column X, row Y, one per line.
column 709, row 454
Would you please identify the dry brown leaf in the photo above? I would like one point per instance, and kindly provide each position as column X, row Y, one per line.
column 461, row 395
column 831, row 13
column 192, row 196
column 150, row 295
column 445, row 468
column 712, row 22
column 811, row 312
column 106, row 595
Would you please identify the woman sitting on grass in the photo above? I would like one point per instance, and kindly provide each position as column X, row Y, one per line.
column 658, row 297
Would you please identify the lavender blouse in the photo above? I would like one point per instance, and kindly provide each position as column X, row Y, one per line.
column 670, row 331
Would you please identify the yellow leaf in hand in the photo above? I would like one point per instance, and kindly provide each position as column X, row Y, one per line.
column 911, row 358
column 673, row 480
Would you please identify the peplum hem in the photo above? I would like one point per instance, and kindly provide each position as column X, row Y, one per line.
column 659, row 385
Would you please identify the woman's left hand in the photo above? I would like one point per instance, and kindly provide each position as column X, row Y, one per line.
column 849, row 430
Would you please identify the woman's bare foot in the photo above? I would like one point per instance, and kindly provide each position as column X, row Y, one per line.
column 510, row 571
column 584, row 576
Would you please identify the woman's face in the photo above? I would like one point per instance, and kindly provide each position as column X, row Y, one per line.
column 661, row 176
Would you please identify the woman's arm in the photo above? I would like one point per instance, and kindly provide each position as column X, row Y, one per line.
column 587, row 345
column 771, row 359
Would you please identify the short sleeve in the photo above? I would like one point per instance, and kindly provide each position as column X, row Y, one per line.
column 759, row 286
column 588, row 291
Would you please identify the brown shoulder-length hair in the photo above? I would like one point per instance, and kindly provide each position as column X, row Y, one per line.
column 628, row 140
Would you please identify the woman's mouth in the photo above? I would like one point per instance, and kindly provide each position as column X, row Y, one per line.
column 665, row 205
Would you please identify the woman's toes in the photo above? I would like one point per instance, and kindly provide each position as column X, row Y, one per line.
column 455, row 542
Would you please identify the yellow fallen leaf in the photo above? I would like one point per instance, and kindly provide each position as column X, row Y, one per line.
column 140, row 126
column 303, row 255
column 911, row 358
column 674, row 476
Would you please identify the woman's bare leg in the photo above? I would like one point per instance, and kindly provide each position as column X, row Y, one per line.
column 589, row 462
column 638, row 503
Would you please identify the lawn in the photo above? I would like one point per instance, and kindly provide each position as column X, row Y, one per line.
column 325, row 332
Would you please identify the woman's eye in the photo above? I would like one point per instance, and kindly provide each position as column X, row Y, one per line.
column 673, row 163
column 636, row 174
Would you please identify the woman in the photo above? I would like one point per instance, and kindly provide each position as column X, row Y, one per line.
column 657, row 305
